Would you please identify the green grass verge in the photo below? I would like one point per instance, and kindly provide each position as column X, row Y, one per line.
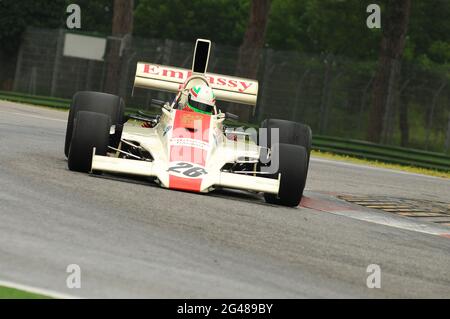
column 11, row 293
column 404, row 168
column 53, row 102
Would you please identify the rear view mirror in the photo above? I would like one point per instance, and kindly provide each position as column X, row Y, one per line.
column 157, row 103
column 231, row 116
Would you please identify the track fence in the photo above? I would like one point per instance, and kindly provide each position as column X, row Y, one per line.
column 330, row 93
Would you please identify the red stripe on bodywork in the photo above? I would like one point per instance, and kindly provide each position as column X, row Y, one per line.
column 184, row 126
column 185, row 184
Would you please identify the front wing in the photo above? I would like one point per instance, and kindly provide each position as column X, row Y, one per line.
column 160, row 171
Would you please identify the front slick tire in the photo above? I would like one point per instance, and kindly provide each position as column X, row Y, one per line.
column 293, row 167
column 90, row 130
column 97, row 102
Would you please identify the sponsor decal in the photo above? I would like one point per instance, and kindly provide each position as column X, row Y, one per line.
column 195, row 91
column 180, row 74
column 189, row 142
column 188, row 119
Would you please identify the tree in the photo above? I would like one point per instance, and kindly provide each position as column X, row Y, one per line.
column 253, row 42
column 122, row 28
column 221, row 21
column 389, row 63
column 16, row 17
column 403, row 100
column 323, row 26
column 51, row 14
column 96, row 15
column 429, row 32
column 250, row 49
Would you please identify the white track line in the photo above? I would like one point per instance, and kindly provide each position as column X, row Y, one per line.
column 35, row 290
column 370, row 215
column 34, row 116
column 363, row 166
column 391, row 221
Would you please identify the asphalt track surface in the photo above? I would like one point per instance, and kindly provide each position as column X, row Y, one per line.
column 137, row 240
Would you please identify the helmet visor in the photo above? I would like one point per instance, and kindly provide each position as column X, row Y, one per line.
column 200, row 107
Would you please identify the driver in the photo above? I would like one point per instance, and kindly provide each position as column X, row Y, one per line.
column 201, row 99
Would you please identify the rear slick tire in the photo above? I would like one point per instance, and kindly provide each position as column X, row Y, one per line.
column 289, row 133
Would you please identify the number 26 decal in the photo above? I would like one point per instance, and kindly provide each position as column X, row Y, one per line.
column 187, row 169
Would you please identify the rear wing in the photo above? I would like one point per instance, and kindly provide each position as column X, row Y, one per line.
column 171, row 79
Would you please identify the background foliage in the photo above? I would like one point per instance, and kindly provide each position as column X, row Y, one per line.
column 311, row 26
column 322, row 37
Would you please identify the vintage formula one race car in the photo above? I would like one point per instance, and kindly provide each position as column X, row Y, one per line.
column 187, row 146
